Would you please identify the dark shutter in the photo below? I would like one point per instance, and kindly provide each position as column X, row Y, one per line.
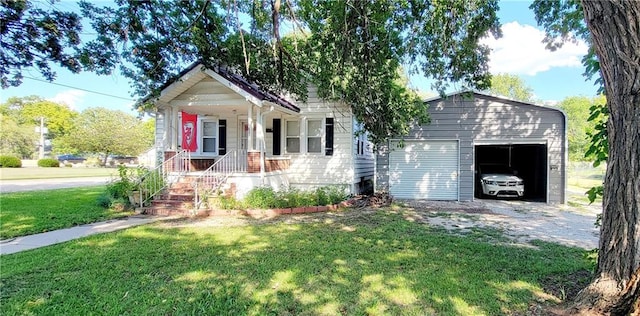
column 222, row 135
column 276, row 136
column 328, row 148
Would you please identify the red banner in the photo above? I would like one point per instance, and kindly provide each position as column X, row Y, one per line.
column 189, row 131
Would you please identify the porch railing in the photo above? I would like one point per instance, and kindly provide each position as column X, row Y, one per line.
column 163, row 176
column 215, row 176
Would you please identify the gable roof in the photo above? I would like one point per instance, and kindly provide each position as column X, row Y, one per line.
column 197, row 70
column 490, row 96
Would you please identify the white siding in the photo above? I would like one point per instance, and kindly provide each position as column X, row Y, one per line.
column 313, row 170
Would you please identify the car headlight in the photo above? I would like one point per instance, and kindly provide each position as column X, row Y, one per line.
column 489, row 182
column 520, row 182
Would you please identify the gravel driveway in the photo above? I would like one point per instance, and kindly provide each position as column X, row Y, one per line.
column 523, row 221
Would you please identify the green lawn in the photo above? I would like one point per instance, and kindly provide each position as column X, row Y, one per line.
column 25, row 213
column 374, row 264
column 62, row 172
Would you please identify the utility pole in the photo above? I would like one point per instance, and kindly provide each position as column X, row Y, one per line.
column 41, row 152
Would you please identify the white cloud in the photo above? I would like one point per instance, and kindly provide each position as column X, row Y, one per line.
column 521, row 51
column 72, row 98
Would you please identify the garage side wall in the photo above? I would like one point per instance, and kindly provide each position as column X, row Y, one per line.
column 480, row 118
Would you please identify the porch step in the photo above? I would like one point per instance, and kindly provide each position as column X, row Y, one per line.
column 172, row 203
column 176, row 196
column 166, row 211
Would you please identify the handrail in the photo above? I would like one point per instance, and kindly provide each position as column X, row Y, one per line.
column 163, row 176
column 216, row 175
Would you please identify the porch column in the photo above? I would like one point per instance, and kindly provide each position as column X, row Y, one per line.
column 260, row 139
column 173, row 131
column 250, row 123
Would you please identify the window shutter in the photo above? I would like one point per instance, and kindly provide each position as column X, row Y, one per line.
column 222, row 135
column 276, row 136
column 328, row 148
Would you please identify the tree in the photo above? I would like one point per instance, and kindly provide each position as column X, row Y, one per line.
column 28, row 111
column 15, row 139
column 102, row 131
column 511, row 86
column 612, row 28
column 579, row 127
column 35, row 37
column 350, row 49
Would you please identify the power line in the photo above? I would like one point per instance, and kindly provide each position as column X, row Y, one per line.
column 82, row 89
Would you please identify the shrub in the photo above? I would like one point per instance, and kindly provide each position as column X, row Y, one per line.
column 266, row 197
column 336, row 194
column 227, row 203
column 262, row 197
column 10, row 162
column 48, row 163
column 127, row 181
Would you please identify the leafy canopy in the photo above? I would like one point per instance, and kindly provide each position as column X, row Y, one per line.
column 104, row 131
column 511, row 86
column 352, row 50
column 32, row 36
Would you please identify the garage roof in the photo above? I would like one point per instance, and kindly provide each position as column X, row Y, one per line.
column 486, row 95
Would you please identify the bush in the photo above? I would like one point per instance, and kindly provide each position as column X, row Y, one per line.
column 48, row 163
column 263, row 197
column 266, row 197
column 10, row 162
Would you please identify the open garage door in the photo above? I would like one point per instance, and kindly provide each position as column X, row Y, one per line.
column 424, row 170
column 528, row 161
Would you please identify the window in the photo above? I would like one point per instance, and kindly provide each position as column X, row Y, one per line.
column 314, row 136
column 293, row 137
column 209, row 137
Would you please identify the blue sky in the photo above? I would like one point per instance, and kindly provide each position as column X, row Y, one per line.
column 553, row 76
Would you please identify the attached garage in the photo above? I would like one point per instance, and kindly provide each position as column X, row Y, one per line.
column 424, row 170
column 469, row 131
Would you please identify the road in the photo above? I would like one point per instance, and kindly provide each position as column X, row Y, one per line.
column 7, row 186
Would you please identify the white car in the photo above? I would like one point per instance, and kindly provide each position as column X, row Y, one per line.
column 501, row 184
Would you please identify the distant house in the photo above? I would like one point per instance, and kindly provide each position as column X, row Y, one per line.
column 469, row 130
column 261, row 138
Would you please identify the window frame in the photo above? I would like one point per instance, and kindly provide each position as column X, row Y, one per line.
column 287, row 136
column 319, row 136
column 201, row 136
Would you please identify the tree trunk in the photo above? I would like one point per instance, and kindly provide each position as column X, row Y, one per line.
column 615, row 30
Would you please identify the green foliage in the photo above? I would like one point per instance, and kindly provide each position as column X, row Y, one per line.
column 48, row 163
column 261, row 197
column 36, row 36
column 26, row 213
column 103, row 131
column 378, row 264
column 10, row 162
column 352, row 50
column 511, row 86
column 16, row 139
column 599, row 148
column 267, row 197
column 58, row 118
column 127, row 181
column 579, row 127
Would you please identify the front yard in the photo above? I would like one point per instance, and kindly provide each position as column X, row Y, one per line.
column 32, row 212
column 348, row 263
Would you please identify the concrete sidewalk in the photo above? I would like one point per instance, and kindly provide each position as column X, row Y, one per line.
column 18, row 244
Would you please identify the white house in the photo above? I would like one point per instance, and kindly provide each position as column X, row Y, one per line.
column 214, row 115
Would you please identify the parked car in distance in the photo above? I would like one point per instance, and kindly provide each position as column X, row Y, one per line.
column 127, row 160
column 500, row 181
column 72, row 159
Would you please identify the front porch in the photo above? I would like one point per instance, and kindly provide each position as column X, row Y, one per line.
column 243, row 162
